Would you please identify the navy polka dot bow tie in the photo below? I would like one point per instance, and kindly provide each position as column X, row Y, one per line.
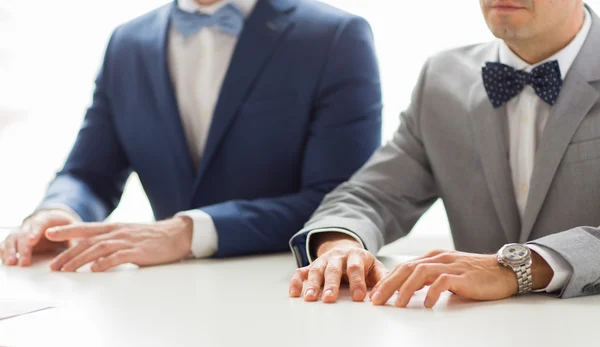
column 503, row 82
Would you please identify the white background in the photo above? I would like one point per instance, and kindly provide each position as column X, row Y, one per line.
column 50, row 52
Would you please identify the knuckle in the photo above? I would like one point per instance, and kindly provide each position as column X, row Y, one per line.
column 421, row 268
column 363, row 253
column 355, row 268
column 117, row 225
column 356, row 280
column 333, row 268
column 408, row 267
column 444, row 278
column 337, row 253
column 445, row 257
column 121, row 234
column 316, row 270
column 435, row 252
column 84, row 243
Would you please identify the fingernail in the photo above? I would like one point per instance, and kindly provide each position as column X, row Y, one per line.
column 358, row 294
column 427, row 302
column 51, row 231
column 309, row 292
column 328, row 292
column 376, row 297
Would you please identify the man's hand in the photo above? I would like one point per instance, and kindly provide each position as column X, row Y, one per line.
column 19, row 246
column 473, row 276
column 339, row 256
column 110, row 244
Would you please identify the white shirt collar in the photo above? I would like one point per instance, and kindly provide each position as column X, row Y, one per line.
column 565, row 57
column 246, row 6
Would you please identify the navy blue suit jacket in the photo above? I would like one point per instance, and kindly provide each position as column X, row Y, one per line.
column 299, row 112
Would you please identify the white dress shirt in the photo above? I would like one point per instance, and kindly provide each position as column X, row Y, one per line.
column 527, row 116
column 197, row 66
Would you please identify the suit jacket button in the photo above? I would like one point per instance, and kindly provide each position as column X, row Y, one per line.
column 589, row 289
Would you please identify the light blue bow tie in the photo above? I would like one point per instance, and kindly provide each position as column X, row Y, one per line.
column 229, row 19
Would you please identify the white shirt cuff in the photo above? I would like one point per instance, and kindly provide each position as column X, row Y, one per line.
column 61, row 207
column 205, row 240
column 562, row 269
column 327, row 230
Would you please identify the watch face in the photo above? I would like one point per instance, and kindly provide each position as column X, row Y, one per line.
column 515, row 253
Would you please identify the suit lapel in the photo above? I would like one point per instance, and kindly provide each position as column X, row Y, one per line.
column 156, row 64
column 575, row 101
column 489, row 127
column 263, row 30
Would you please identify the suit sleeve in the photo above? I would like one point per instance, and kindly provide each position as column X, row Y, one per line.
column 92, row 180
column 580, row 248
column 383, row 200
column 345, row 130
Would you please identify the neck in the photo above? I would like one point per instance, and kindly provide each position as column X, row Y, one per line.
column 539, row 48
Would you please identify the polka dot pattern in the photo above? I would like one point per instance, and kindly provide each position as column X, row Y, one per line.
column 503, row 82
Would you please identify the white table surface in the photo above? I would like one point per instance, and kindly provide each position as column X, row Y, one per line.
column 244, row 302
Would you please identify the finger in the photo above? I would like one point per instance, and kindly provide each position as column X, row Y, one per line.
column 95, row 252
column 423, row 275
column 29, row 230
column 298, row 278
column 120, row 257
column 379, row 271
column 24, row 249
column 443, row 283
column 68, row 232
column 356, row 276
column 315, row 280
column 433, row 253
column 333, row 278
column 9, row 251
column 60, row 260
column 376, row 274
column 441, row 258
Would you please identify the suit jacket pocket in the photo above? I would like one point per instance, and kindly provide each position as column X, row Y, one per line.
column 582, row 151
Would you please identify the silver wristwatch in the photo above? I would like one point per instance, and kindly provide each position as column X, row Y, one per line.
column 518, row 258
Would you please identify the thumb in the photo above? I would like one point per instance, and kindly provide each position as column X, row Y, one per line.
column 378, row 272
column 34, row 232
column 36, row 227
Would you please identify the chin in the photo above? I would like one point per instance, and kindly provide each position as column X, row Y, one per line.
column 505, row 27
column 504, row 32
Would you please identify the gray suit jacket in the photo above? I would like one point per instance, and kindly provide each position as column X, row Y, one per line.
column 452, row 145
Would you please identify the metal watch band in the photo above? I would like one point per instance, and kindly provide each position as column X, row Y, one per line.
column 524, row 278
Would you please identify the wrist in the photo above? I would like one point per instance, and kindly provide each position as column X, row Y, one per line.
column 510, row 277
column 184, row 227
column 541, row 272
column 328, row 241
